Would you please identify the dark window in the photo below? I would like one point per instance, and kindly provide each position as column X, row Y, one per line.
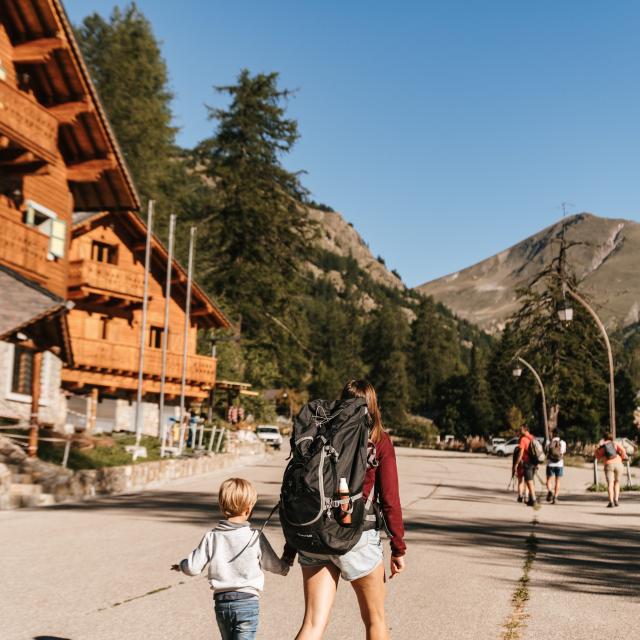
column 22, row 371
column 103, row 252
column 104, row 321
column 155, row 337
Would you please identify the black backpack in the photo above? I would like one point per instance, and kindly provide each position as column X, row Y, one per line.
column 330, row 441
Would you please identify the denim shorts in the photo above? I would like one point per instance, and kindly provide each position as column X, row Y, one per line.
column 558, row 472
column 357, row 563
column 238, row 619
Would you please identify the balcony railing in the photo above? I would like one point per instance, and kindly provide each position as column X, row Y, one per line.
column 24, row 248
column 106, row 278
column 103, row 355
column 27, row 123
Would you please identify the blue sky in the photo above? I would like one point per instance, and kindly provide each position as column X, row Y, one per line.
column 445, row 131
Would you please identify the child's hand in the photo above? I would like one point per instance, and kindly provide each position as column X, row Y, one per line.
column 175, row 567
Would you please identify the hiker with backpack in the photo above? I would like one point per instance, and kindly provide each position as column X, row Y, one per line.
column 530, row 455
column 339, row 489
column 555, row 465
column 613, row 455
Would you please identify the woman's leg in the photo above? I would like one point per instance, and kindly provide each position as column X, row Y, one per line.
column 320, row 585
column 370, row 592
column 610, row 482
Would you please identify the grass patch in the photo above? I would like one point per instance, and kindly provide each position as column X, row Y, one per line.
column 100, row 456
column 517, row 620
column 602, row 488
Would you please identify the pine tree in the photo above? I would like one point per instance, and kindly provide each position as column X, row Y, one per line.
column 253, row 255
column 434, row 355
column 384, row 347
column 126, row 65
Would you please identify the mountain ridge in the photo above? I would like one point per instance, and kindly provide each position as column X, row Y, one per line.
column 603, row 260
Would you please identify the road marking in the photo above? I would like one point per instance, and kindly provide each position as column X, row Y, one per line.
column 144, row 595
column 517, row 621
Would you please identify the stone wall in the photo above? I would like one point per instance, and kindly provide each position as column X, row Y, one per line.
column 66, row 485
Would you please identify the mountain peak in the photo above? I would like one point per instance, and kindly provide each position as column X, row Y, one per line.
column 603, row 259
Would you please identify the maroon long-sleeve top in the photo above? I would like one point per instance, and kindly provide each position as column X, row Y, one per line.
column 383, row 480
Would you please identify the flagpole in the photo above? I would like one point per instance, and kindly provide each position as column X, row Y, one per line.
column 143, row 324
column 165, row 334
column 187, row 318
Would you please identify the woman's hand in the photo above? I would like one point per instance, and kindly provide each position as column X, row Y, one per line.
column 397, row 565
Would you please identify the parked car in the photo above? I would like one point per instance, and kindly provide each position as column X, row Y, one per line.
column 269, row 434
column 507, row 448
column 493, row 443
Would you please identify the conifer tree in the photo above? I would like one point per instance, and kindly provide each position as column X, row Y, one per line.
column 254, row 253
column 126, row 65
column 385, row 352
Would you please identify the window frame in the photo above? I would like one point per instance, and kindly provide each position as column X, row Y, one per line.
column 56, row 230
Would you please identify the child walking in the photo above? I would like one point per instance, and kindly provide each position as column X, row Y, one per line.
column 236, row 555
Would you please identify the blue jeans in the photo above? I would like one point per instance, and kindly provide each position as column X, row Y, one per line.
column 238, row 619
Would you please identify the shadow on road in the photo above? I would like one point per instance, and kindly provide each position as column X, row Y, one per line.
column 168, row 506
column 576, row 558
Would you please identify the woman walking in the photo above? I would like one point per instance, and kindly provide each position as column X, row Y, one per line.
column 363, row 565
column 613, row 455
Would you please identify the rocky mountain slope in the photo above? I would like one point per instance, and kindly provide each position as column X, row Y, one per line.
column 339, row 237
column 606, row 261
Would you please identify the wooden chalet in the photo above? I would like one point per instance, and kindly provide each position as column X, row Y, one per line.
column 58, row 156
column 106, row 278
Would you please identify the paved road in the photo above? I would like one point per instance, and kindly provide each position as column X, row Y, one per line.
column 99, row 570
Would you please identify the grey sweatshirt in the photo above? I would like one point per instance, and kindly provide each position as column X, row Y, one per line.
column 236, row 555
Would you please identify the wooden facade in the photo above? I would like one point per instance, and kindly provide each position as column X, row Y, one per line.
column 106, row 281
column 57, row 152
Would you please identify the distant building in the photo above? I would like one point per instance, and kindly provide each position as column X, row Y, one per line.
column 106, row 277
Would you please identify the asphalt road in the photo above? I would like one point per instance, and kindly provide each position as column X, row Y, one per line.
column 100, row 570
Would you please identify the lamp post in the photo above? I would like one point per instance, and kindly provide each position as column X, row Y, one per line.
column 517, row 372
column 565, row 313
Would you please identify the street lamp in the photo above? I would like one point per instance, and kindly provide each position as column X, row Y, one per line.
column 517, row 372
column 565, row 313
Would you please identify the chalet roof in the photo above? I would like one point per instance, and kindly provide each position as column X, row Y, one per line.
column 46, row 51
column 204, row 311
column 34, row 311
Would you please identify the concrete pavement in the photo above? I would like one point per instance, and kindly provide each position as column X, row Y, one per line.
column 100, row 570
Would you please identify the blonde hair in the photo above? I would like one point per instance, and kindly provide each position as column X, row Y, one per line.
column 364, row 389
column 236, row 495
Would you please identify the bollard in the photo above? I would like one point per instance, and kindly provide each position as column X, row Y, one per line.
column 219, row 443
column 629, row 484
column 595, row 473
column 65, row 457
column 213, row 435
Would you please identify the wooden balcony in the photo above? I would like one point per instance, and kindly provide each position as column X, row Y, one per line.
column 31, row 130
column 122, row 359
column 90, row 279
column 24, row 249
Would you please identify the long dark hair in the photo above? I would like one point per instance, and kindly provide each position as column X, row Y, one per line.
column 364, row 389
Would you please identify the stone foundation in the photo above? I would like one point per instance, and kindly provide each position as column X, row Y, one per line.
column 65, row 485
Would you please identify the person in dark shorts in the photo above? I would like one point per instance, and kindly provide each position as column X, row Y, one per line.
column 529, row 468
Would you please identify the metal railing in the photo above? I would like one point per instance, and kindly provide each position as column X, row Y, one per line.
column 19, row 437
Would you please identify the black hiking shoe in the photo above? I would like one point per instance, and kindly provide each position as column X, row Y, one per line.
column 531, row 503
column 549, row 496
column 555, row 499
column 616, row 504
column 610, row 505
column 520, row 498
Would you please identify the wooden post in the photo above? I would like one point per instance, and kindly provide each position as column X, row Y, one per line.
column 32, row 449
column 93, row 411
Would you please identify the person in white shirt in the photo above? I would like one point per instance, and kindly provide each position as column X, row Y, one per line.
column 556, row 449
